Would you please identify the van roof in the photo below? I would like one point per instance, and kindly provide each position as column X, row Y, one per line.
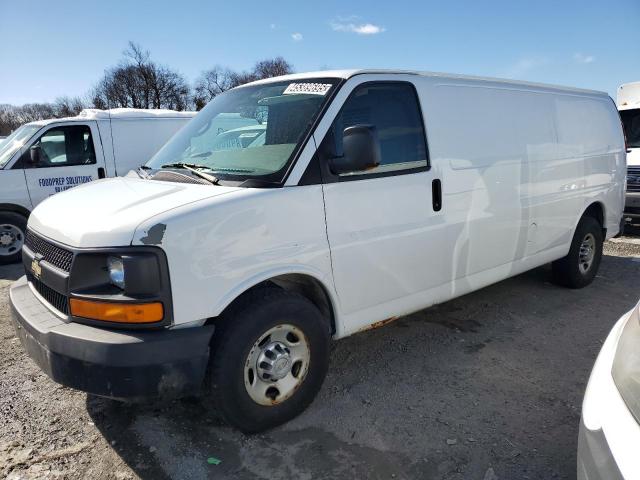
column 118, row 113
column 345, row 74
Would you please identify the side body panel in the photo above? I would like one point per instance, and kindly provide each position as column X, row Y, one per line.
column 13, row 189
column 588, row 166
column 476, row 141
column 135, row 141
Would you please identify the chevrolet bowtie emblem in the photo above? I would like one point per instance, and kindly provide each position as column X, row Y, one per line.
column 36, row 268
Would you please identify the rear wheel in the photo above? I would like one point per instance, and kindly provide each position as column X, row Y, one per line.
column 269, row 359
column 580, row 266
column 13, row 227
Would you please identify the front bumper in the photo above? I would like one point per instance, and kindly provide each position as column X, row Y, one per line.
column 111, row 363
column 632, row 205
column 609, row 434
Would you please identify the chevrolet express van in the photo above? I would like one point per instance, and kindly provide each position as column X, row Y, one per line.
column 629, row 108
column 45, row 157
column 227, row 268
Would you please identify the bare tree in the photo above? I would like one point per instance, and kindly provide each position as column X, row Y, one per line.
column 212, row 83
column 139, row 82
column 11, row 117
column 68, row 106
column 274, row 67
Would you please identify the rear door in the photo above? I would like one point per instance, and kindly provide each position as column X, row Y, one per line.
column 385, row 225
column 70, row 155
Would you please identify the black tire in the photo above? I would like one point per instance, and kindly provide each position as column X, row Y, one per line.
column 240, row 328
column 568, row 271
column 9, row 221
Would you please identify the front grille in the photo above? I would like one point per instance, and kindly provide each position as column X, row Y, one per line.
column 55, row 299
column 53, row 254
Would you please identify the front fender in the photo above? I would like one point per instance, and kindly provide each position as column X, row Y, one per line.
column 218, row 248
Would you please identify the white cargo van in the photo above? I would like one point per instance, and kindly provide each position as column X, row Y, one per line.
column 227, row 267
column 42, row 158
column 629, row 107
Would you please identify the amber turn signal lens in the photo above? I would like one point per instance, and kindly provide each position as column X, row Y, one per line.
column 117, row 312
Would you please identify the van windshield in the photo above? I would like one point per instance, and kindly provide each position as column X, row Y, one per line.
column 15, row 141
column 631, row 122
column 249, row 132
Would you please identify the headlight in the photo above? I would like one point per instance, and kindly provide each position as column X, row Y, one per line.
column 115, row 265
column 123, row 286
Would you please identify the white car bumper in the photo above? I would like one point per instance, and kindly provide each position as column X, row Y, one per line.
column 609, row 438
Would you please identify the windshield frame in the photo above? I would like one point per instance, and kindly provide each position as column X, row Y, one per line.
column 625, row 113
column 278, row 178
column 5, row 142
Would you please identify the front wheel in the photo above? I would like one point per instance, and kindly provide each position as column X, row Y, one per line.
column 13, row 227
column 580, row 266
column 269, row 359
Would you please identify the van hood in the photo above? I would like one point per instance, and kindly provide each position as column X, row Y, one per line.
column 105, row 213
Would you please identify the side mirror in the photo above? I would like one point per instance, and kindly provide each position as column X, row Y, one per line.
column 34, row 155
column 361, row 149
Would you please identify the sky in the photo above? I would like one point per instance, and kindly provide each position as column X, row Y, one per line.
column 50, row 49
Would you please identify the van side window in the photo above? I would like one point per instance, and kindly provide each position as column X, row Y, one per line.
column 393, row 109
column 64, row 146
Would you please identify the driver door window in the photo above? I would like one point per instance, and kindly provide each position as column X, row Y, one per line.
column 64, row 156
column 393, row 109
column 63, row 146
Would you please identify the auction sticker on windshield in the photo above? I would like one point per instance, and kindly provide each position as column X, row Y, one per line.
column 307, row 89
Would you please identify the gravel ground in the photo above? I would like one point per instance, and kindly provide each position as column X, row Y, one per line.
column 486, row 386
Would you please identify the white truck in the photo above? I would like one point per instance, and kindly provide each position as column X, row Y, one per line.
column 629, row 108
column 227, row 267
column 42, row 158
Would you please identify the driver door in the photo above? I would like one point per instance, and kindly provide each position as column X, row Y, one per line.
column 390, row 247
column 69, row 155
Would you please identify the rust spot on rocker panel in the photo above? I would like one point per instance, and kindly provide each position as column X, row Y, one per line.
column 379, row 324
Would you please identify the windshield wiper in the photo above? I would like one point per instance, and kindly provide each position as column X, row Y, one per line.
column 192, row 167
column 142, row 173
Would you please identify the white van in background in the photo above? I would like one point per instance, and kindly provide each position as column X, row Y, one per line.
column 629, row 109
column 45, row 157
column 361, row 196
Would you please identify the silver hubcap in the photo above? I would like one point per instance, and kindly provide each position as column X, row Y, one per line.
column 11, row 239
column 587, row 253
column 276, row 365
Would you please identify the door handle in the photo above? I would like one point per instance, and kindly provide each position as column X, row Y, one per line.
column 101, row 173
column 436, row 194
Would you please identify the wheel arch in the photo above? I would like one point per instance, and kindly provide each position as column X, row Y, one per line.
column 12, row 207
column 306, row 284
column 596, row 210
